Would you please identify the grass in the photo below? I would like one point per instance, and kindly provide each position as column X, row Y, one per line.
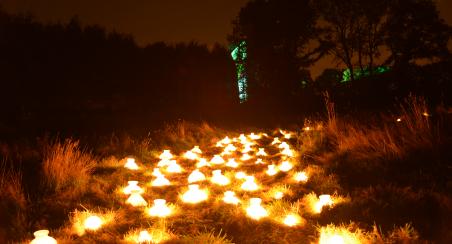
column 376, row 172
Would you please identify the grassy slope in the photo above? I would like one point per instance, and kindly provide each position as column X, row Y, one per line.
column 393, row 173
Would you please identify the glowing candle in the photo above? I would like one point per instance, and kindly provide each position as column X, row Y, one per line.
column 217, row 159
column 136, row 200
column 195, row 176
column 259, row 161
column 166, row 155
column 229, row 197
column 190, row 155
column 285, row 166
column 261, row 152
column 159, row 209
column 271, row 170
column 218, row 178
column 245, row 157
column 202, row 163
column 144, row 237
column 160, row 181
column 42, row 237
column 232, row 163
column 93, row 222
column 240, row 175
column 194, row 194
column 307, row 128
column 301, row 177
column 249, row 184
column 132, row 186
column 291, row 220
column 196, row 150
column 130, row 164
column 173, row 167
column 276, row 141
column 255, row 210
column 324, row 200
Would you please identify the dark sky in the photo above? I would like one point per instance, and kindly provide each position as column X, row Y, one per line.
column 205, row 21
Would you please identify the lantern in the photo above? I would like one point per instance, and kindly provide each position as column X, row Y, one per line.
column 195, row 176
column 202, row 163
column 259, row 161
column 144, row 237
column 196, row 150
column 324, row 200
column 218, row 178
column 166, row 155
column 229, row 197
column 255, row 210
column 136, row 200
column 285, row 166
column 194, row 194
column 173, row 167
column 253, row 136
column 164, row 162
column 232, row 163
column 132, row 186
column 287, row 152
column 93, row 222
column 292, row 220
column 42, row 237
column 160, row 181
column 261, row 152
column 156, row 172
column 217, row 159
column 301, row 177
column 249, row 184
column 190, row 155
column 240, row 175
column 278, row 195
column 130, row 164
column 247, row 148
column 159, row 209
column 276, row 141
column 245, row 157
column 271, row 170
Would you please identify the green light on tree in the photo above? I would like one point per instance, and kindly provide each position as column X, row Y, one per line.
column 358, row 73
column 239, row 56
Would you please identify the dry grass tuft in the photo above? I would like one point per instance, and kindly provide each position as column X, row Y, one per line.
column 205, row 238
column 66, row 167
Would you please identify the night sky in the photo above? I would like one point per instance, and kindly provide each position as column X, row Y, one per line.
column 205, row 21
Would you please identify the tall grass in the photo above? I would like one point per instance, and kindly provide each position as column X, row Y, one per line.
column 66, row 166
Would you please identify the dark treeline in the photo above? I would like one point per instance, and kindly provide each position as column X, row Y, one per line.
column 285, row 38
column 59, row 76
column 81, row 78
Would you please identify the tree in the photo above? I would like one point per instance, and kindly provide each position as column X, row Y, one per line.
column 275, row 31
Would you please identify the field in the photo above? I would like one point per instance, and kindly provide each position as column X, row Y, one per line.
column 331, row 180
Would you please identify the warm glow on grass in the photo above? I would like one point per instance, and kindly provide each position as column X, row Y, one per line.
column 202, row 163
column 151, row 235
column 285, row 166
column 300, row 177
column 166, row 155
column 288, row 152
column 253, row 136
column 315, row 205
column 332, row 234
column 87, row 220
column 259, row 161
column 255, row 210
column 194, row 194
column 190, row 155
column 261, row 152
column 276, row 141
column 271, row 170
column 240, row 175
column 292, row 220
column 93, row 222
column 232, row 163
column 196, row 150
column 174, row 167
column 217, row 159
column 245, row 157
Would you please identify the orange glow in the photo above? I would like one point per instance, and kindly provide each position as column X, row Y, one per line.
column 276, row 141
column 202, row 163
column 255, row 210
column 292, row 220
column 164, row 163
column 156, row 172
column 278, row 195
column 190, row 155
column 240, row 175
column 247, row 148
column 173, row 167
column 196, row 150
column 259, row 161
column 399, row 120
column 287, row 152
column 254, row 136
column 301, row 177
column 195, row 176
column 194, row 194
column 340, row 235
column 245, row 157
column 286, row 135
